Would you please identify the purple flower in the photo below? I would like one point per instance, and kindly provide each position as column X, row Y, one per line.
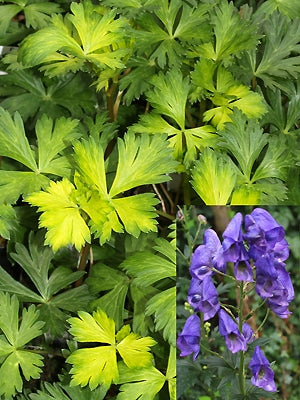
column 207, row 256
column 188, row 340
column 233, row 246
column 263, row 375
column 277, row 288
column 235, row 341
column 248, row 333
column 243, row 271
column 203, row 296
column 262, row 232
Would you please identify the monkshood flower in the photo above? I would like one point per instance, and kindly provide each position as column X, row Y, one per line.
column 234, row 340
column 233, row 246
column 188, row 340
column 243, row 271
column 207, row 256
column 277, row 288
column 263, row 375
column 203, row 296
column 263, row 232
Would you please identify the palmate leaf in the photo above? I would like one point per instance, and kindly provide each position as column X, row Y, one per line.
column 37, row 13
column 214, row 177
column 163, row 307
column 8, row 220
column 36, row 262
column 98, row 365
column 61, row 215
column 139, row 384
column 95, row 39
column 225, row 93
column 259, row 157
column 60, row 391
column 291, row 8
column 232, row 34
column 15, row 145
column 16, row 335
column 165, row 32
column 29, row 94
column 174, row 89
column 280, row 59
column 148, row 268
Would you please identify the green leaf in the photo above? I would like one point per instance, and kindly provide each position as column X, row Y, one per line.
column 214, row 177
column 280, row 59
column 141, row 323
column 139, row 384
column 165, row 31
column 61, row 215
column 148, row 268
column 59, row 391
column 32, row 96
column 52, row 140
column 10, row 285
column 232, row 34
column 85, row 36
column 15, row 337
column 175, row 89
column 163, row 307
column 15, row 183
column 291, row 8
column 8, row 220
column 14, row 143
column 225, row 93
column 113, row 302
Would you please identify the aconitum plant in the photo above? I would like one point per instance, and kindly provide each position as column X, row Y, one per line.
column 252, row 255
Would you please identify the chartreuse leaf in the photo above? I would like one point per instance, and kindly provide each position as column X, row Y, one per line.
column 225, row 93
column 168, row 97
column 98, row 365
column 171, row 373
column 163, row 33
column 61, row 215
column 8, row 220
column 37, row 13
column 232, row 34
column 214, row 177
column 14, row 358
column 85, row 36
column 139, row 384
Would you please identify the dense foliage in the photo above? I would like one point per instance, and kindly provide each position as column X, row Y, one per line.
column 112, row 112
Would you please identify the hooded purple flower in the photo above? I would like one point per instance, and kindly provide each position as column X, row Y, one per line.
column 235, row 341
column 277, row 288
column 207, row 256
column 262, row 232
column 233, row 246
column 243, row 271
column 203, row 296
column 188, row 340
column 263, row 375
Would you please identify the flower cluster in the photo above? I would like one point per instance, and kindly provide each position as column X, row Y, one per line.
column 258, row 253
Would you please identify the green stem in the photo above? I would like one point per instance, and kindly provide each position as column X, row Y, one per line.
column 217, row 355
column 264, row 321
column 242, row 354
column 85, row 251
column 222, row 273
